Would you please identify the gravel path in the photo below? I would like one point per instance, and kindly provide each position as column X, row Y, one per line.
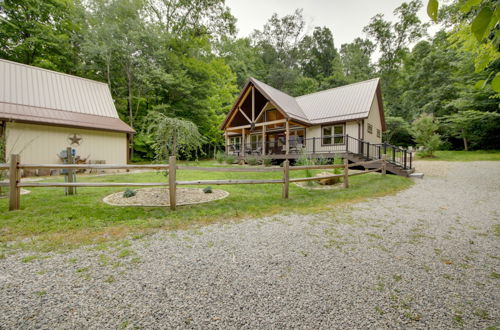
column 424, row 258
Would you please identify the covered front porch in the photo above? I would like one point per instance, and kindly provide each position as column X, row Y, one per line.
column 282, row 145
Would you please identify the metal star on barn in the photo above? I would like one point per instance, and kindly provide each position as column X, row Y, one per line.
column 75, row 139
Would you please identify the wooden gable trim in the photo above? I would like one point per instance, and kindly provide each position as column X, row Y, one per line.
column 262, row 111
column 234, row 109
column 244, row 115
column 269, row 98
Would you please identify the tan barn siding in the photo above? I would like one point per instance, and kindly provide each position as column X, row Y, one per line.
column 39, row 144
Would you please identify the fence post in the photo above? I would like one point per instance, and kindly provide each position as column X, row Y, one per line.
column 70, row 173
column 172, row 167
column 14, row 178
column 286, row 178
column 384, row 164
column 346, row 172
column 404, row 167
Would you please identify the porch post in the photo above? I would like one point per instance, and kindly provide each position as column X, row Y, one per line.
column 287, row 137
column 264, row 140
column 226, row 151
column 243, row 142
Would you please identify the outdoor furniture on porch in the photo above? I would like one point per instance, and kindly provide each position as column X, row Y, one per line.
column 235, row 150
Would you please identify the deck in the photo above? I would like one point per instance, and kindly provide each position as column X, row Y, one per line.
column 355, row 150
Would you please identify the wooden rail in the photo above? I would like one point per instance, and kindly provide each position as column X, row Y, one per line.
column 15, row 168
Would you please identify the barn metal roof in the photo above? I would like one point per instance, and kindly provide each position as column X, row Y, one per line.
column 33, row 94
column 349, row 102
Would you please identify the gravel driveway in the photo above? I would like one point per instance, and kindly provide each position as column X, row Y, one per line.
column 424, row 258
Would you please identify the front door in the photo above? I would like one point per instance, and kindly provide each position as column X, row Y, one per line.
column 275, row 143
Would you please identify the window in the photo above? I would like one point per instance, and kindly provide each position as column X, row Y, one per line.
column 235, row 141
column 332, row 134
column 370, row 128
column 378, row 133
column 256, row 140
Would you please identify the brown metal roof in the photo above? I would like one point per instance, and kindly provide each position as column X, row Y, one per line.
column 342, row 103
column 349, row 102
column 282, row 100
column 33, row 94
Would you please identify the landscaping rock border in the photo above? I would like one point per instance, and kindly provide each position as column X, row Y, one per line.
column 160, row 197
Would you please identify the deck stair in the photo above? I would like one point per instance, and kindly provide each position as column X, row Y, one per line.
column 399, row 161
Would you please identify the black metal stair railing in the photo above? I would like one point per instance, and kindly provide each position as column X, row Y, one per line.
column 395, row 155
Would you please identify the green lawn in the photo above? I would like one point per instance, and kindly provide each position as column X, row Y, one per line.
column 463, row 156
column 52, row 220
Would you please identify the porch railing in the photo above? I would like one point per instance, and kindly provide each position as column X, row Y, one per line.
column 334, row 144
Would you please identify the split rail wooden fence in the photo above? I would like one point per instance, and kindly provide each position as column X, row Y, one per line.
column 16, row 166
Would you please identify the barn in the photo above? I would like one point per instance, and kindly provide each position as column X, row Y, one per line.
column 44, row 112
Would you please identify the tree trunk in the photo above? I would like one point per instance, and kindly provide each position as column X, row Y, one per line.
column 174, row 143
column 466, row 147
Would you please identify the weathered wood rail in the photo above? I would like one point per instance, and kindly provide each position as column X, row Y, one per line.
column 16, row 166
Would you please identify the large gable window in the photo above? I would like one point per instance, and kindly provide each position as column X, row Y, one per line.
column 333, row 134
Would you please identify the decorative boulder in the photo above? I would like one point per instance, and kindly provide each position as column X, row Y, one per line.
column 327, row 181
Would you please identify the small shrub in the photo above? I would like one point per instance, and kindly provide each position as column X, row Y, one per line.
column 321, row 161
column 424, row 132
column 267, row 161
column 220, row 157
column 129, row 193
column 252, row 161
column 208, row 190
column 230, row 159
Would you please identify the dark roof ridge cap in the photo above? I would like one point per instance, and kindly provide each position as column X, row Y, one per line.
column 54, row 109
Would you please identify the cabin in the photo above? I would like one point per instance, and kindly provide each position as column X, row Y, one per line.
column 44, row 112
column 346, row 121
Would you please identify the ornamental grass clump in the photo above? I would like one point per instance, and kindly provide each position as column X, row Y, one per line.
column 220, row 157
column 267, row 162
column 129, row 193
column 252, row 161
column 230, row 159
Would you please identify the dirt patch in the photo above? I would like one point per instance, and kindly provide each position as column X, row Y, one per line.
column 23, row 192
column 432, row 167
column 160, row 197
column 317, row 186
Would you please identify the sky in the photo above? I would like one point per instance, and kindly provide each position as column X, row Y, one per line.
column 346, row 18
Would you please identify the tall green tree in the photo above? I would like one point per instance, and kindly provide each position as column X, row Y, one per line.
column 393, row 41
column 356, row 60
column 42, row 33
column 318, row 53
